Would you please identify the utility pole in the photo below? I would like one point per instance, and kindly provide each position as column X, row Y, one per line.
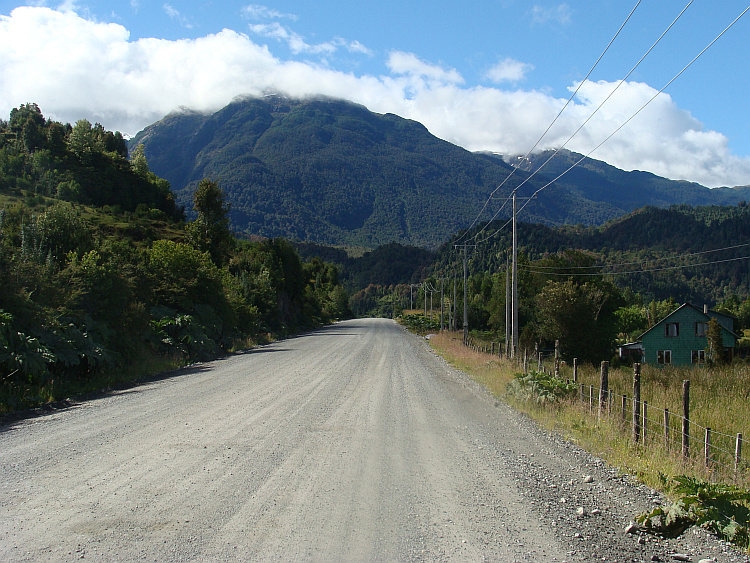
column 452, row 315
column 432, row 309
column 442, row 302
column 514, row 307
column 466, row 311
column 507, row 309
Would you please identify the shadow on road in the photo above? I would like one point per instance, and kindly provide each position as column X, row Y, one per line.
column 9, row 421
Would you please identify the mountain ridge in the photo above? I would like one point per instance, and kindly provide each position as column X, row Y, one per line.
column 330, row 171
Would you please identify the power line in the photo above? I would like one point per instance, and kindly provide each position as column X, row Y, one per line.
column 567, row 103
column 577, row 162
column 645, row 271
column 677, row 257
column 619, row 83
column 640, row 109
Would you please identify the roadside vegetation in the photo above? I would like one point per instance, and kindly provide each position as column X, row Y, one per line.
column 103, row 281
column 718, row 397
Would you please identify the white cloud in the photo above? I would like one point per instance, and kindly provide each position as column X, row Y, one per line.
column 75, row 68
column 560, row 14
column 508, row 70
column 409, row 64
column 177, row 16
column 297, row 44
column 259, row 12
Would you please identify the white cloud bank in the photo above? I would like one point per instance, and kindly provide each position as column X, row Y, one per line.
column 75, row 68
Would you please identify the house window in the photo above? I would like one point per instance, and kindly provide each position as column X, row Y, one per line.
column 664, row 357
column 672, row 329
column 699, row 356
column 701, row 329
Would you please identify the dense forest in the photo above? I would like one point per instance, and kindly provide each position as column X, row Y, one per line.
column 630, row 272
column 103, row 280
column 332, row 172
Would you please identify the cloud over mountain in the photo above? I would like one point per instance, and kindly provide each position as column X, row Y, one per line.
column 74, row 67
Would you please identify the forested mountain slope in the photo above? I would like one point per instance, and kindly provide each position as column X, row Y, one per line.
column 332, row 172
column 698, row 254
column 627, row 190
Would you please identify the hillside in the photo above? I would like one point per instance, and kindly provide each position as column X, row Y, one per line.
column 627, row 190
column 103, row 281
column 660, row 253
column 332, row 172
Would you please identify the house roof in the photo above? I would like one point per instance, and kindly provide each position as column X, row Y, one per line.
column 700, row 312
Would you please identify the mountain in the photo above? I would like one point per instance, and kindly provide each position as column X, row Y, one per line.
column 627, row 190
column 694, row 254
column 332, row 172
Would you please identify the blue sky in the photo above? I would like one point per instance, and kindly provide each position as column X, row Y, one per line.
column 487, row 75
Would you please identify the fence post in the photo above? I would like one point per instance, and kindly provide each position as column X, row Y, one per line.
column 707, row 450
column 636, row 402
column 624, row 411
column 538, row 358
column 666, row 429
column 686, row 418
column 644, row 422
column 583, row 393
column 737, row 456
column 603, row 387
column 575, row 370
column 591, row 398
column 557, row 358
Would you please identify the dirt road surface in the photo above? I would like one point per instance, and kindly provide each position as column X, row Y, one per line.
column 352, row 443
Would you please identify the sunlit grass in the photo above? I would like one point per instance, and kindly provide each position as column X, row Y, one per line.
column 718, row 400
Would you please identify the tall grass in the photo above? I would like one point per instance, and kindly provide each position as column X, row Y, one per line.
column 719, row 399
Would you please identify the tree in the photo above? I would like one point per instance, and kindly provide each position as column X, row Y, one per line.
column 715, row 342
column 84, row 141
column 139, row 163
column 580, row 316
column 210, row 231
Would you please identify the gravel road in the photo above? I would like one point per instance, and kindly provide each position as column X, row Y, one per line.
column 352, row 443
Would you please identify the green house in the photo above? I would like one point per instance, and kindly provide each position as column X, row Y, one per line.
column 680, row 338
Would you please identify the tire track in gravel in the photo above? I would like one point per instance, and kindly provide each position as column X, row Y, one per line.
column 352, row 443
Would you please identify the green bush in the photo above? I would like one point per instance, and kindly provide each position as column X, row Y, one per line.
column 721, row 509
column 540, row 387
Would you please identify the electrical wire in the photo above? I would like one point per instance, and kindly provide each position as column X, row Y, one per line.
column 646, row 271
column 679, row 256
column 637, row 112
column 577, row 162
column 604, row 141
column 567, row 103
column 619, row 83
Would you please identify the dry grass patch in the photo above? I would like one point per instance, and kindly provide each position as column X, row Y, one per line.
column 719, row 400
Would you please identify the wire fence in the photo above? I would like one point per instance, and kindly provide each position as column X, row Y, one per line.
column 719, row 455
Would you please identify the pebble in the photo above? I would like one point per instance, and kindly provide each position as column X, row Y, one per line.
column 588, row 479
